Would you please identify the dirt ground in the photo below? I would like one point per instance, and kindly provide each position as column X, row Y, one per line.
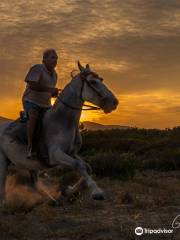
column 151, row 200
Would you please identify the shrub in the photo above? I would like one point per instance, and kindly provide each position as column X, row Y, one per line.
column 115, row 165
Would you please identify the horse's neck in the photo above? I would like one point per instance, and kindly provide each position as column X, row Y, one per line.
column 60, row 114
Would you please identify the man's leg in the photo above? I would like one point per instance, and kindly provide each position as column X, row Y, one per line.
column 33, row 116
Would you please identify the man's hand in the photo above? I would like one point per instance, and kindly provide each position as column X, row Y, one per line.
column 54, row 92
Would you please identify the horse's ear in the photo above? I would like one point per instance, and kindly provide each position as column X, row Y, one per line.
column 80, row 66
column 87, row 66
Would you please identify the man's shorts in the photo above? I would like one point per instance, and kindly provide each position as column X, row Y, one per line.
column 30, row 105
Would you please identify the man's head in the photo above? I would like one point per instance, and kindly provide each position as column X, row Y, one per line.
column 50, row 58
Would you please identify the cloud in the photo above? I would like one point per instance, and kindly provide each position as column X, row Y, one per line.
column 133, row 44
column 174, row 109
column 158, row 109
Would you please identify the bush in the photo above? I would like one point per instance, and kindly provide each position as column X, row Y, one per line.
column 113, row 165
column 107, row 150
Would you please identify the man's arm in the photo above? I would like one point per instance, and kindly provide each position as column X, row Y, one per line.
column 39, row 88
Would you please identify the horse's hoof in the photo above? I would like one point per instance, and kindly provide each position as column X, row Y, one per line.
column 98, row 196
column 66, row 191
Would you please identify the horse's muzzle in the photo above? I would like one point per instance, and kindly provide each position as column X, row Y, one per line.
column 108, row 104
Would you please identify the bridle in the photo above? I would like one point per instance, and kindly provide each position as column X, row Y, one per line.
column 83, row 76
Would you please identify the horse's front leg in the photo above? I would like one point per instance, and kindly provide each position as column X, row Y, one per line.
column 71, row 190
column 57, row 156
column 81, row 183
column 97, row 192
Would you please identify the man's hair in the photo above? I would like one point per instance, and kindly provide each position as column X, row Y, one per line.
column 47, row 52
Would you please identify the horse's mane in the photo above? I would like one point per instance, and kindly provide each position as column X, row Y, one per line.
column 62, row 90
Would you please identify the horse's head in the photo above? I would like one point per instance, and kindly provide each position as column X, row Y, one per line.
column 95, row 91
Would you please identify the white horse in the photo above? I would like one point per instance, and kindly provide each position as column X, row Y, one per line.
column 61, row 131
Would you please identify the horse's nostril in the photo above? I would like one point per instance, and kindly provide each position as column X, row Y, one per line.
column 115, row 102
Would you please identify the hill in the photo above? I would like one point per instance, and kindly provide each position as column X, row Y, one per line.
column 97, row 126
column 3, row 119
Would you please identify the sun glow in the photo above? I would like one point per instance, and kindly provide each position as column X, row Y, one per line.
column 53, row 101
column 156, row 105
column 85, row 116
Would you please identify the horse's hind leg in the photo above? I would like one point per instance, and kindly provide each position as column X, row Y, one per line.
column 3, row 174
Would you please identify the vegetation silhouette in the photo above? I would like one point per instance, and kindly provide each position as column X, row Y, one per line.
column 118, row 153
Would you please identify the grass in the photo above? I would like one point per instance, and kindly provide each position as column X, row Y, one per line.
column 137, row 168
column 127, row 203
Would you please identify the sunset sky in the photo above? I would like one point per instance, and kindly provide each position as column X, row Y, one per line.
column 133, row 44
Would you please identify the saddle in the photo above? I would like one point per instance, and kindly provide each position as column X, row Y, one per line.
column 17, row 130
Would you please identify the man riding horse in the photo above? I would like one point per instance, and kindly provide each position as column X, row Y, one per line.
column 41, row 81
column 60, row 123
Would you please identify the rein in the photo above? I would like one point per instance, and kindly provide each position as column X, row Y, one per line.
column 84, row 109
column 83, row 78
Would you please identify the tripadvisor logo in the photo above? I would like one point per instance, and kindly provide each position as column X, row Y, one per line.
column 139, row 231
column 175, row 224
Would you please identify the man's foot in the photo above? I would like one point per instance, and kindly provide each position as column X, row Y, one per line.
column 31, row 154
